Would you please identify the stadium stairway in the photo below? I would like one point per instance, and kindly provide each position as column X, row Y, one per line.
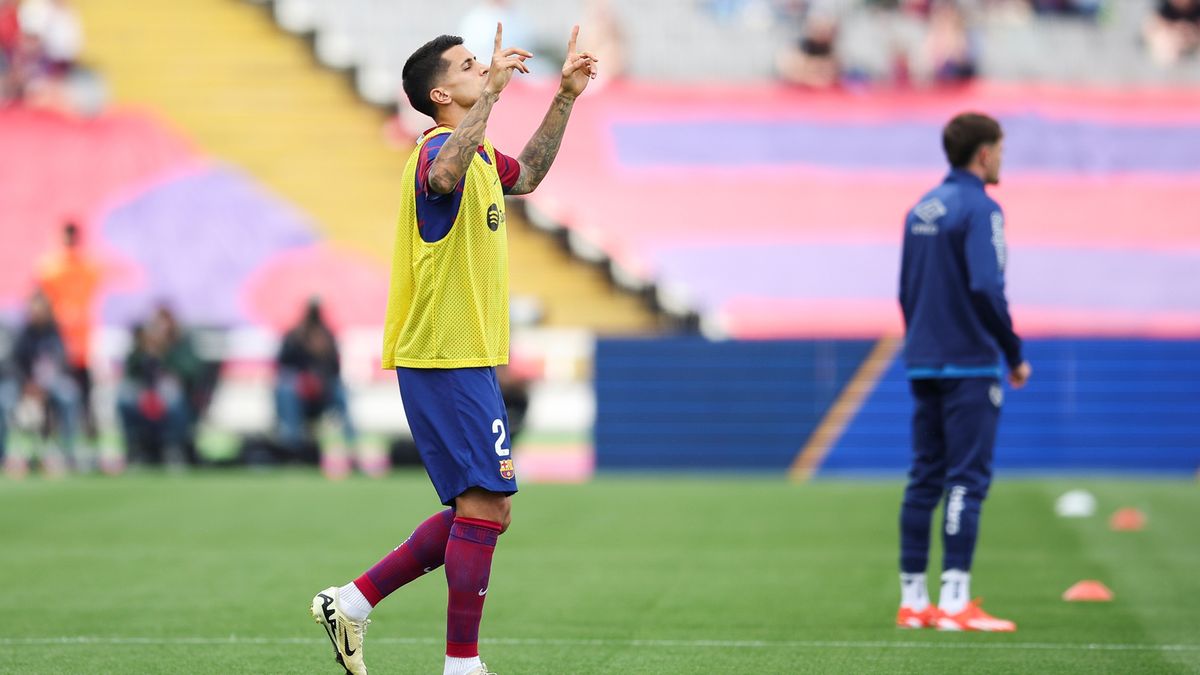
column 252, row 96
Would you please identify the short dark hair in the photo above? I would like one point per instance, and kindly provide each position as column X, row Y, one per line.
column 963, row 135
column 422, row 69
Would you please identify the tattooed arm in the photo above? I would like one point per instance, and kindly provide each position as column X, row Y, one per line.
column 451, row 163
column 540, row 151
column 542, row 148
column 452, row 160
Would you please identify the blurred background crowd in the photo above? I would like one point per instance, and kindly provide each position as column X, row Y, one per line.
column 808, row 43
column 196, row 221
column 47, row 401
column 816, row 43
column 40, row 46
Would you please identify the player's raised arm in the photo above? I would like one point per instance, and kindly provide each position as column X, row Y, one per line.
column 542, row 148
column 451, row 163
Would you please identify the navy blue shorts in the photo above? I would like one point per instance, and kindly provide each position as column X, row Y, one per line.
column 460, row 425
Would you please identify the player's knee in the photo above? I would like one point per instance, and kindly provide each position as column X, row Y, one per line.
column 923, row 496
column 504, row 514
column 967, row 489
column 476, row 503
column 965, row 498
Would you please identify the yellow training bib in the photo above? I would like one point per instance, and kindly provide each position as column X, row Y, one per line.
column 448, row 303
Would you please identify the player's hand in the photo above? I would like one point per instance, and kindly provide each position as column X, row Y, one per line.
column 1018, row 376
column 577, row 69
column 504, row 62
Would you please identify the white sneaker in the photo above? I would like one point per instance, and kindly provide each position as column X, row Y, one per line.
column 481, row 670
column 345, row 634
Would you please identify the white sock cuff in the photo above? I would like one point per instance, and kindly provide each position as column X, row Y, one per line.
column 913, row 593
column 956, row 591
column 353, row 603
column 955, row 575
column 461, row 666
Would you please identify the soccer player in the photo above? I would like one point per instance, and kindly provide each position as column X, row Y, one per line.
column 447, row 329
column 958, row 338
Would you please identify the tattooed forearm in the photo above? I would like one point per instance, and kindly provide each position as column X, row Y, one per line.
column 452, row 160
column 540, row 151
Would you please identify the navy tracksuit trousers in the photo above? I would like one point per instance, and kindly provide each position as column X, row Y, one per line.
column 953, row 434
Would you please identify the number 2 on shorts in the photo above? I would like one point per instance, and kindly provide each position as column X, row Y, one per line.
column 498, row 428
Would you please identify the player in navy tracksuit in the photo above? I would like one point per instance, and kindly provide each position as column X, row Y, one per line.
column 959, row 340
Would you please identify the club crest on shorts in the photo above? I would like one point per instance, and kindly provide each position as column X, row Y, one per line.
column 996, row 394
column 507, row 472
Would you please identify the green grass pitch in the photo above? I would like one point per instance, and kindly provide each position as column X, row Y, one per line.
column 213, row 573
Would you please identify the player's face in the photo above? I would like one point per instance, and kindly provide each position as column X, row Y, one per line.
column 992, row 160
column 464, row 78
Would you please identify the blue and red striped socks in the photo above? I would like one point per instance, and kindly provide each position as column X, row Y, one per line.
column 423, row 551
column 468, row 568
column 465, row 546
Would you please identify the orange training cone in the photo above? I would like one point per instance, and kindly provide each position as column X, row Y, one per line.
column 1088, row 591
column 1127, row 520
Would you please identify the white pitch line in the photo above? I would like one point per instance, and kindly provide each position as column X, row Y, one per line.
column 234, row 640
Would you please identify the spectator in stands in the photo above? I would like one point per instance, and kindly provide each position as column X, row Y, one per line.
column 917, row 8
column 605, row 38
column 948, row 49
column 43, row 68
column 57, row 28
column 49, row 400
column 1080, row 8
column 10, row 41
column 182, row 359
column 724, row 9
column 514, row 389
column 309, row 385
column 152, row 400
column 811, row 61
column 1173, row 31
column 478, row 27
column 10, row 31
column 8, row 387
column 70, row 278
column 760, row 14
column 25, row 64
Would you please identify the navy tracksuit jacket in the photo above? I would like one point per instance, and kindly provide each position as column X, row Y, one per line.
column 958, row 338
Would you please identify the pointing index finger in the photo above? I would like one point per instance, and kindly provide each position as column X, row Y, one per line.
column 499, row 34
column 571, row 42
